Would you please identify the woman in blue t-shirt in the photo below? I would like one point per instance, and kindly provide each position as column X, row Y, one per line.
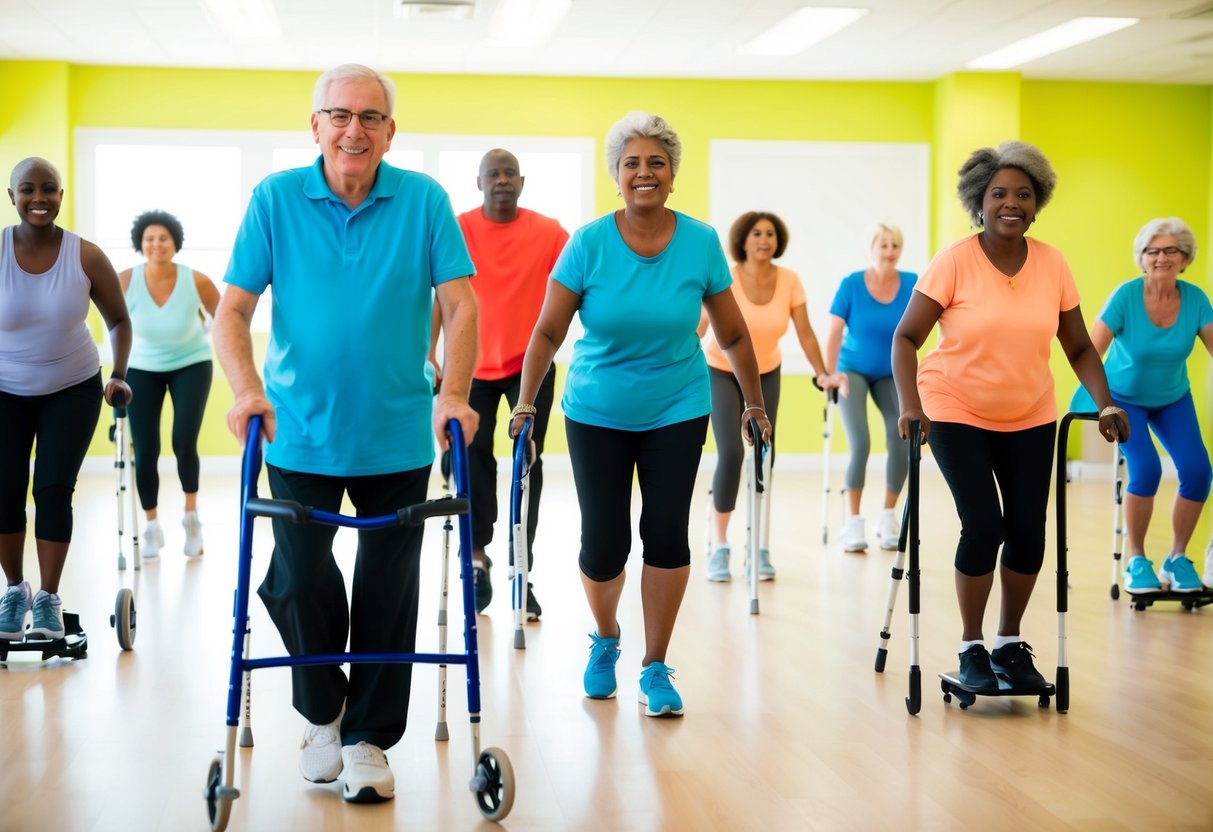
column 637, row 397
column 869, row 305
column 1148, row 328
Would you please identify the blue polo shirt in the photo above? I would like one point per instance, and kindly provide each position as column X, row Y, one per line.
column 639, row 365
column 346, row 366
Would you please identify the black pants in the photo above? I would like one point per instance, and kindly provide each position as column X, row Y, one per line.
column 727, row 405
column 63, row 423
column 978, row 464
column 304, row 592
column 188, row 387
column 664, row 461
column 485, row 397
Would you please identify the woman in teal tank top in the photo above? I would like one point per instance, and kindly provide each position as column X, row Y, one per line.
column 171, row 354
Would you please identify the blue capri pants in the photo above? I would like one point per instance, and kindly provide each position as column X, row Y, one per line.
column 1178, row 430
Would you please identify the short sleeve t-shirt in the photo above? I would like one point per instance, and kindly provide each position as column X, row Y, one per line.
column 867, row 344
column 990, row 368
column 639, row 365
column 767, row 322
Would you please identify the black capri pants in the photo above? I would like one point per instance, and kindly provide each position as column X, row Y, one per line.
column 188, row 387
column 63, row 423
column 664, row 461
column 978, row 464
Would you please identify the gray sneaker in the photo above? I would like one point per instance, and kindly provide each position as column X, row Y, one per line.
column 13, row 606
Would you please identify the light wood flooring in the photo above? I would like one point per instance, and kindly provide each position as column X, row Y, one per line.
column 787, row 727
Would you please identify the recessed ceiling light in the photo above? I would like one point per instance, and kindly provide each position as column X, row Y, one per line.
column 800, row 30
column 436, row 9
column 245, row 18
column 1079, row 30
column 526, row 22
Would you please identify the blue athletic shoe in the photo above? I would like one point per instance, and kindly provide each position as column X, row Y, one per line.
column 599, row 679
column 718, row 564
column 1180, row 573
column 14, row 604
column 1139, row 575
column 48, row 616
column 656, row 693
column 766, row 572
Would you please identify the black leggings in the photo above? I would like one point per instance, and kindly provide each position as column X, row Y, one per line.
column 63, row 424
column 188, row 387
column 978, row 464
column 727, row 404
column 664, row 461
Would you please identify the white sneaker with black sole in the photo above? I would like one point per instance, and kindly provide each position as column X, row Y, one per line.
column 320, row 760
column 366, row 774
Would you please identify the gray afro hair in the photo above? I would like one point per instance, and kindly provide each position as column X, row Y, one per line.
column 980, row 167
column 634, row 125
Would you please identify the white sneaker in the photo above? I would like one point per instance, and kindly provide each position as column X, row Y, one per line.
column 367, row 776
column 193, row 534
column 320, row 761
column 888, row 530
column 853, row 538
column 152, row 541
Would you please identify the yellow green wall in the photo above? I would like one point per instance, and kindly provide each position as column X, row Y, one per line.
column 1116, row 167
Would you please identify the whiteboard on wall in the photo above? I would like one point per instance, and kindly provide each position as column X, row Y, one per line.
column 830, row 195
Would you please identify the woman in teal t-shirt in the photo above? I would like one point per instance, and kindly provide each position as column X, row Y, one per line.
column 1148, row 329
column 637, row 398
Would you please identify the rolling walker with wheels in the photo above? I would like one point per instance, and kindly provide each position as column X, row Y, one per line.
column 520, row 507
column 123, row 619
column 492, row 776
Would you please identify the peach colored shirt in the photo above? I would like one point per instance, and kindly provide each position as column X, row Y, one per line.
column 767, row 322
column 991, row 366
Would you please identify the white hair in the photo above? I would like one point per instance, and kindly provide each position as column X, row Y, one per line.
column 1185, row 240
column 634, row 125
column 353, row 72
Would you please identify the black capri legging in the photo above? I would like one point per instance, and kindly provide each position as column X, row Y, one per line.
column 189, row 388
column 978, row 464
column 63, row 423
column 727, row 405
column 664, row 461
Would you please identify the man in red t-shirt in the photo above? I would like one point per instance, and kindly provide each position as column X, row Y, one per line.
column 514, row 251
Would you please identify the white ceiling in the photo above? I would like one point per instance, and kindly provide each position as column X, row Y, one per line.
column 915, row 40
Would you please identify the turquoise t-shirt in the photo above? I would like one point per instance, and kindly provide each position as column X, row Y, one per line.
column 346, row 366
column 167, row 337
column 867, row 346
column 1147, row 364
column 639, row 365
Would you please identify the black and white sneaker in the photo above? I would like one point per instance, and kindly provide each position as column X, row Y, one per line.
column 366, row 774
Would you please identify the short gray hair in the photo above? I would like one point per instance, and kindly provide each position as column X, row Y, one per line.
column 1185, row 240
column 353, row 72
column 979, row 169
column 634, row 125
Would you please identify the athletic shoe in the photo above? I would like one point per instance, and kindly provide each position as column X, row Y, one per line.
column 48, row 616
column 13, row 606
column 482, row 583
column 1013, row 664
column 718, row 564
column 888, row 530
column 656, row 693
column 1139, row 575
column 853, row 537
column 321, row 760
column 366, row 774
column 1207, row 578
column 599, row 679
column 1180, row 573
column 975, row 672
column 152, row 541
column 766, row 572
column 533, row 610
column 193, row 534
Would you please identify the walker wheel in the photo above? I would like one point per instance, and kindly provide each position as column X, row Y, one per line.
column 965, row 699
column 1138, row 606
column 494, row 784
column 947, row 697
column 1115, row 591
column 1044, row 702
column 218, row 805
column 123, row 619
column 1189, row 605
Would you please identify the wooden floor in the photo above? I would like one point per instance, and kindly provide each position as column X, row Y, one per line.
column 787, row 727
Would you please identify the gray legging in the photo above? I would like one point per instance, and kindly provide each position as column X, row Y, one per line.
column 854, row 409
column 727, row 405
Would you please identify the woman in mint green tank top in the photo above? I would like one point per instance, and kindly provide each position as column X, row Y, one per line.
column 171, row 355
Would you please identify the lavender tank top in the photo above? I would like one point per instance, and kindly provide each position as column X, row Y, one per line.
column 45, row 346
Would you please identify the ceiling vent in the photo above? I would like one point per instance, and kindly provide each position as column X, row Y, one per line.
column 436, row 9
column 1203, row 12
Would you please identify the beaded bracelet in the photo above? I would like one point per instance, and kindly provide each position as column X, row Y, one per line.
column 523, row 410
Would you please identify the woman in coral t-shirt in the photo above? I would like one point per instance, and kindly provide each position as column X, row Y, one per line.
column 984, row 395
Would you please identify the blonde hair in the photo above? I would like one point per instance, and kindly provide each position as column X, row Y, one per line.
column 883, row 228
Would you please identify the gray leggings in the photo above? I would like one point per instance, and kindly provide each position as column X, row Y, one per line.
column 854, row 409
column 727, row 404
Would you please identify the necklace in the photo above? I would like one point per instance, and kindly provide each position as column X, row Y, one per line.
column 1011, row 282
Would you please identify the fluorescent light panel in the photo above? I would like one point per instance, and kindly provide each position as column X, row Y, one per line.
column 526, row 22
column 245, row 18
column 800, row 30
column 1079, row 30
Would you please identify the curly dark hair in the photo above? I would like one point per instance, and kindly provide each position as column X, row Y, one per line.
column 156, row 218
column 744, row 224
column 980, row 167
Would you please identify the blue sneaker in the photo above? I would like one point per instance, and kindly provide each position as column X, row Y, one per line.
column 766, row 572
column 48, row 616
column 13, row 606
column 718, row 564
column 599, row 679
column 1180, row 573
column 656, row 693
column 1139, row 575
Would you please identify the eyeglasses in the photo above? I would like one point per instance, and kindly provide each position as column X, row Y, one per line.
column 369, row 119
column 1170, row 251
